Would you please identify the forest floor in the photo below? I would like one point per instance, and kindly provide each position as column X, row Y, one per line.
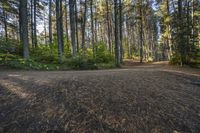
column 147, row 98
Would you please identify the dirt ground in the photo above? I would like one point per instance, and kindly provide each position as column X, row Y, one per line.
column 153, row 98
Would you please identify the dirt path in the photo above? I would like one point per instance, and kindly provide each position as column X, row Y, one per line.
column 153, row 98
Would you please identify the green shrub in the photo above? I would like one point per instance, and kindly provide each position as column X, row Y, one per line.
column 48, row 54
column 80, row 62
column 9, row 46
column 102, row 54
column 17, row 62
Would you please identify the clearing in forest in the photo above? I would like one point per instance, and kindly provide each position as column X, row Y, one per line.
column 153, row 98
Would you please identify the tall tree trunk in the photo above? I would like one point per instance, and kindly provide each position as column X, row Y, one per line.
column 92, row 27
column 117, row 35
column 180, row 33
column 23, row 21
column 50, row 22
column 120, row 30
column 32, row 22
column 141, row 33
column 169, row 32
column 83, row 24
column 76, row 21
column 59, row 26
column 66, row 21
column 72, row 25
column 108, row 25
column 45, row 31
column 35, row 22
column 5, row 23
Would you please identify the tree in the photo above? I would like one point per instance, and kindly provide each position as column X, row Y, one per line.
column 59, row 26
column 84, row 18
column 50, row 22
column 117, row 35
column 141, row 31
column 34, row 23
column 23, row 21
column 92, row 27
column 73, row 25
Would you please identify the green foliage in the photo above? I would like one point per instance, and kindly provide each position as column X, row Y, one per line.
column 14, row 61
column 48, row 54
column 176, row 59
column 102, row 54
column 9, row 46
column 81, row 62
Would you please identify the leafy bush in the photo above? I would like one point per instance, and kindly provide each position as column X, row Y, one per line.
column 9, row 46
column 48, row 54
column 102, row 54
column 14, row 61
column 81, row 62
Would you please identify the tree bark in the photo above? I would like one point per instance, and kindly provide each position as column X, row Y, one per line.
column 76, row 22
column 72, row 25
column 23, row 20
column 83, row 24
column 50, row 22
column 117, row 35
column 108, row 26
column 92, row 27
column 66, row 21
column 59, row 26
column 35, row 22
column 141, row 33
column 5, row 23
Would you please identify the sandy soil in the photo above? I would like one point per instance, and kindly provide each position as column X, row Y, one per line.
column 152, row 98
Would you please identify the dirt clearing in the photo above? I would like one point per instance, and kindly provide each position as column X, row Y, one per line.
column 142, row 99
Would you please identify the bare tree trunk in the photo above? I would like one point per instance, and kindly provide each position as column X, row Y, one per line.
column 120, row 30
column 59, row 26
column 72, row 25
column 92, row 27
column 35, row 21
column 66, row 21
column 32, row 28
column 76, row 17
column 141, row 33
column 117, row 35
column 108, row 26
column 23, row 21
column 50, row 22
column 83, row 24
column 5, row 23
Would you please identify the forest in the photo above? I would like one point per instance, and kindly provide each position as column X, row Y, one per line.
column 61, row 34
column 100, row 66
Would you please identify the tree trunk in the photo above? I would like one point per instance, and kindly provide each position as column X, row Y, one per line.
column 5, row 23
column 141, row 33
column 35, row 23
column 72, row 25
column 23, row 20
column 76, row 22
column 92, row 28
column 66, row 21
column 120, row 30
column 83, row 24
column 108, row 26
column 32, row 28
column 59, row 26
column 117, row 35
column 50, row 22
